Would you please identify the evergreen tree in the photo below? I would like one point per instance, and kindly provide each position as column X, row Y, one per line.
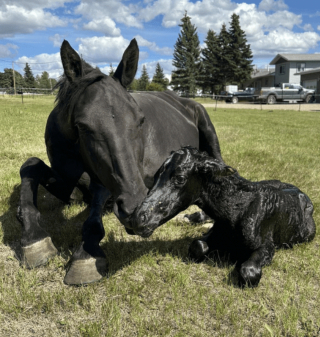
column 225, row 61
column 210, row 62
column 28, row 77
column 186, row 58
column 111, row 71
column 159, row 78
column 144, row 79
column 241, row 52
column 44, row 81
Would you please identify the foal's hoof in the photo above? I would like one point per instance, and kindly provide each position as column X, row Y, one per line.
column 86, row 271
column 197, row 250
column 38, row 253
column 250, row 275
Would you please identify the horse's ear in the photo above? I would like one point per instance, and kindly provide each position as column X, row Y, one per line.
column 71, row 61
column 127, row 68
column 211, row 168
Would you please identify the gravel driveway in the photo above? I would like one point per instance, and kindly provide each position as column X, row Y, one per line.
column 283, row 106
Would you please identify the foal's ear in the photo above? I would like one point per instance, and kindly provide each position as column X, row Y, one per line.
column 213, row 169
column 71, row 61
column 127, row 68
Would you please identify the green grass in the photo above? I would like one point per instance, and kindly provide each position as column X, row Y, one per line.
column 152, row 289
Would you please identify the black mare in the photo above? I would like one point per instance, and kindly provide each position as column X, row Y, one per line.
column 251, row 219
column 119, row 140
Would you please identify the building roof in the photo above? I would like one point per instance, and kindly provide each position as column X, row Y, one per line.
column 296, row 57
column 263, row 73
column 311, row 71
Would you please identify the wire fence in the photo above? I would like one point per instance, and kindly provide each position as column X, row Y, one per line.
column 253, row 100
column 212, row 99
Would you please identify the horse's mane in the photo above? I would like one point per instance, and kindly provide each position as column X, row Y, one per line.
column 69, row 93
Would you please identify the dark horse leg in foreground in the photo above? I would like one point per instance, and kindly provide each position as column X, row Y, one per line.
column 119, row 140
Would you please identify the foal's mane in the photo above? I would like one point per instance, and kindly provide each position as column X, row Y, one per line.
column 69, row 93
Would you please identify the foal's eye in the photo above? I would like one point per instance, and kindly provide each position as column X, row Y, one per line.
column 179, row 180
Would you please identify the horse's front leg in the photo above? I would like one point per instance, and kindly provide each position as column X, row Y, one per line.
column 36, row 243
column 250, row 271
column 88, row 262
column 217, row 238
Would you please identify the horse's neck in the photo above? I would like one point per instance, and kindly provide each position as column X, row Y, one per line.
column 219, row 197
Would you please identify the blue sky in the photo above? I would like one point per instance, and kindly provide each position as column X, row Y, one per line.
column 100, row 30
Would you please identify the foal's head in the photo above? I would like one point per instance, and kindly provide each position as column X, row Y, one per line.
column 178, row 184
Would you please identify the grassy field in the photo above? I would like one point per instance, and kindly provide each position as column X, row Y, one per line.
column 152, row 289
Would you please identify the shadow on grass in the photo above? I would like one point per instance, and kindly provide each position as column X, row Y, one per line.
column 66, row 236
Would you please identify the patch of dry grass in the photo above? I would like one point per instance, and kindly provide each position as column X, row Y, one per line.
column 152, row 289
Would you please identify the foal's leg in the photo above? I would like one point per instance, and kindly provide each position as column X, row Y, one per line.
column 197, row 217
column 250, row 271
column 88, row 263
column 36, row 243
column 217, row 238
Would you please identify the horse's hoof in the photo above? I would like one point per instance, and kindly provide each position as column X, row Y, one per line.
column 85, row 271
column 197, row 250
column 38, row 253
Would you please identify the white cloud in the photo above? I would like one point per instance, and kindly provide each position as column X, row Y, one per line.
column 272, row 5
column 8, row 50
column 43, row 62
column 106, row 26
column 103, row 49
column 166, row 65
column 318, row 27
column 16, row 20
column 56, row 39
column 112, row 9
column 32, row 4
column 152, row 46
column 308, row 27
column 284, row 41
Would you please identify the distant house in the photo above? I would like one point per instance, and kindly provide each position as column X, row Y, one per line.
column 261, row 78
column 310, row 79
column 288, row 69
column 289, row 66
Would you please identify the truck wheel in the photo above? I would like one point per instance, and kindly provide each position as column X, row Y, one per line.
column 235, row 100
column 308, row 98
column 271, row 99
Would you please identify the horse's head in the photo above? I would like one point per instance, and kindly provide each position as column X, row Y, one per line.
column 103, row 118
column 179, row 183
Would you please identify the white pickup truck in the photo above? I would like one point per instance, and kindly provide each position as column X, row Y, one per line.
column 286, row 92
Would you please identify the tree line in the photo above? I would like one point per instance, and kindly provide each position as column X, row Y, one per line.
column 158, row 83
column 27, row 80
column 225, row 59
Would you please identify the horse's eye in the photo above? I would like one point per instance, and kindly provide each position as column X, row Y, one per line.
column 179, row 180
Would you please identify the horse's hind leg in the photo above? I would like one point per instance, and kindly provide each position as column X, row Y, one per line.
column 88, row 263
column 36, row 243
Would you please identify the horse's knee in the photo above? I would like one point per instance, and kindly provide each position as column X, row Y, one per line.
column 197, row 250
column 250, row 274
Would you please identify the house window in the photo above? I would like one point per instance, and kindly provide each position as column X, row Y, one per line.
column 301, row 67
column 282, row 69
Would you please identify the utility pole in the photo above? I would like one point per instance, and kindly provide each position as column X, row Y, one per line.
column 14, row 79
column 51, row 86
